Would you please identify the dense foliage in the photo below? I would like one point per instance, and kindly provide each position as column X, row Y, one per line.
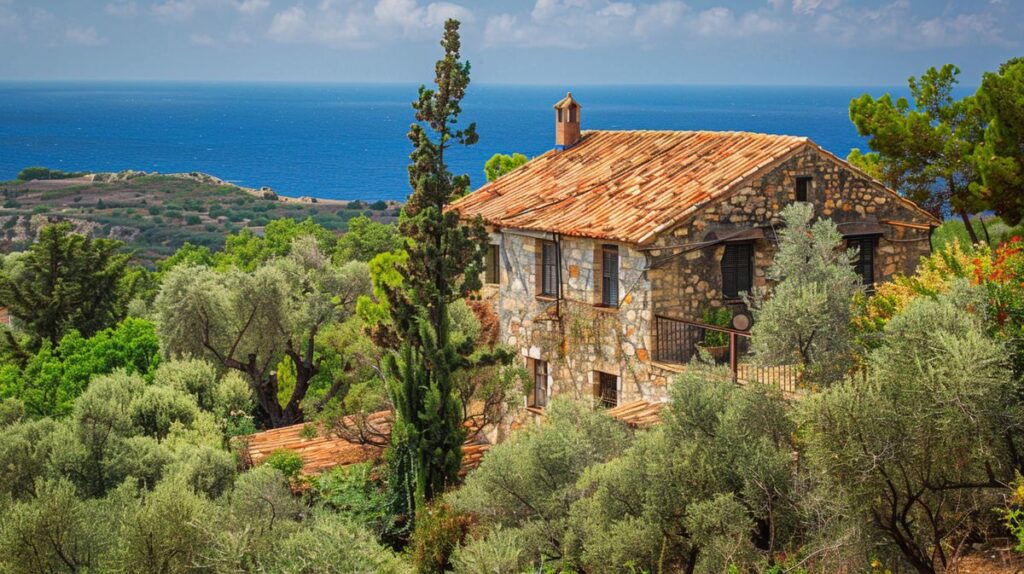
column 126, row 396
column 950, row 155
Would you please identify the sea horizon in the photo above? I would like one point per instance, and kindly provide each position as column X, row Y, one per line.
column 347, row 140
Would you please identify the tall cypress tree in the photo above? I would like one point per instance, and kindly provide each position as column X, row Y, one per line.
column 444, row 261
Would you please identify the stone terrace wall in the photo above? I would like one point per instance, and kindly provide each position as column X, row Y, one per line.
column 687, row 284
column 585, row 338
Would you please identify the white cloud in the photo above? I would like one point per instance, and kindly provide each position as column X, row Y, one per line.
column 121, row 8
column 654, row 18
column 325, row 25
column 83, row 36
column 252, row 6
column 722, row 22
column 959, row 30
column 811, row 6
column 202, row 40
column 618, row 10
column 550, row 9
column 174, row 9
column 340, row 23
column 413, row 18
column 288, row 24
column 11, row 23
column 898, row 26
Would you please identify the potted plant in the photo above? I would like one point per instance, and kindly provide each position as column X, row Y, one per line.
column 716, row 343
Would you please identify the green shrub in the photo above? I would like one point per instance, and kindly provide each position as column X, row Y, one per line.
column 160, row 407
column 192, row 219
column 352, row 491
column 719, row 317
column 379, row 205
column 31, row 173
column 350, row 549
column 12, row 203
column 285, row 460
column 440, row 529
column 193, row 377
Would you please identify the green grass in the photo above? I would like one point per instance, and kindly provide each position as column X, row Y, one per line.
column 991, row 230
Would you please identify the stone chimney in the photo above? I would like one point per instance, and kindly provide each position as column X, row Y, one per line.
column 567, row 122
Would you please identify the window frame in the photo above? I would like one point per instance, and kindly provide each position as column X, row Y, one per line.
column 725, row 265
column 549, row 270
column 538, row 398
column 492, row 264
column 609, row 281
column 604, row 381
column 808, row 182
column 860, row 241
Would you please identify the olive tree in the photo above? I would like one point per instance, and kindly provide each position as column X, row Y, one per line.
column 528, row 482
column 250, row 321
column 919, row 449
column 805, row 318
column 711, row 486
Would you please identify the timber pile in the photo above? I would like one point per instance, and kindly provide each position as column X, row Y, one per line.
column 637, row 414
column 326, row 450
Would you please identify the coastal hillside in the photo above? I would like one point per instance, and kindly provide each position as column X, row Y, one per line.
column 155, row 214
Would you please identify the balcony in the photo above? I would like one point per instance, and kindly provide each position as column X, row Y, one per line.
column 678, row 342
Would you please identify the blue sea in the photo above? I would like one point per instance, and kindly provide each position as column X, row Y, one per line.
column 349, row 141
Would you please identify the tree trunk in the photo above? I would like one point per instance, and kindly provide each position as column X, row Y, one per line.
column 970, row 228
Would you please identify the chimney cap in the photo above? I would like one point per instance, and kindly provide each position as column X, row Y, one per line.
column 567, row 102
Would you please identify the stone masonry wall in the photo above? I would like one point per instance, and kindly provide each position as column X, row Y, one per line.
column 575, row 336
column 687, row 284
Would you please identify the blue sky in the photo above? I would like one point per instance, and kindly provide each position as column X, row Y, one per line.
column 564, row 42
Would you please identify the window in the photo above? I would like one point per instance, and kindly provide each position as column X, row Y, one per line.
column 607, row 389
column 492, row 260
column 609, row 276
column 803, row 184
column 549, row 269
column 864, row 264
column 737, row 269
column 540, row 384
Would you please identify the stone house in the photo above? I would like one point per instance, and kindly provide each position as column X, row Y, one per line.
column 608, row 251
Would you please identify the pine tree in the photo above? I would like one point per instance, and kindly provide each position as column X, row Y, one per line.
column 442, row 263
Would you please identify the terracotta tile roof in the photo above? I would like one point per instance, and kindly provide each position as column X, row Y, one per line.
column 324, row 452
column 625, row 185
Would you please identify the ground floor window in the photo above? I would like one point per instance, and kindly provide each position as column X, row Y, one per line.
column 864, row 264
column 492, row 271
column 539, row 396
column 607, row 389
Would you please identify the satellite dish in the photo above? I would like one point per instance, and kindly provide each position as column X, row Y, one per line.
column 741, row 321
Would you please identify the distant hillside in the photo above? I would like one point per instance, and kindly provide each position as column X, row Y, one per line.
column 155, row 214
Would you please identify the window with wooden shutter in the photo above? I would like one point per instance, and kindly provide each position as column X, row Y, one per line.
column 610, row 275
column 540, row 383
column 492, row 260
column 737, row 269
column 549, row 269
column 864, row 264
column 607, row 389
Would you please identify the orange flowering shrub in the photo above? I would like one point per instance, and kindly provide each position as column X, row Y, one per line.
column 934, row 275
column 1002, row 275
